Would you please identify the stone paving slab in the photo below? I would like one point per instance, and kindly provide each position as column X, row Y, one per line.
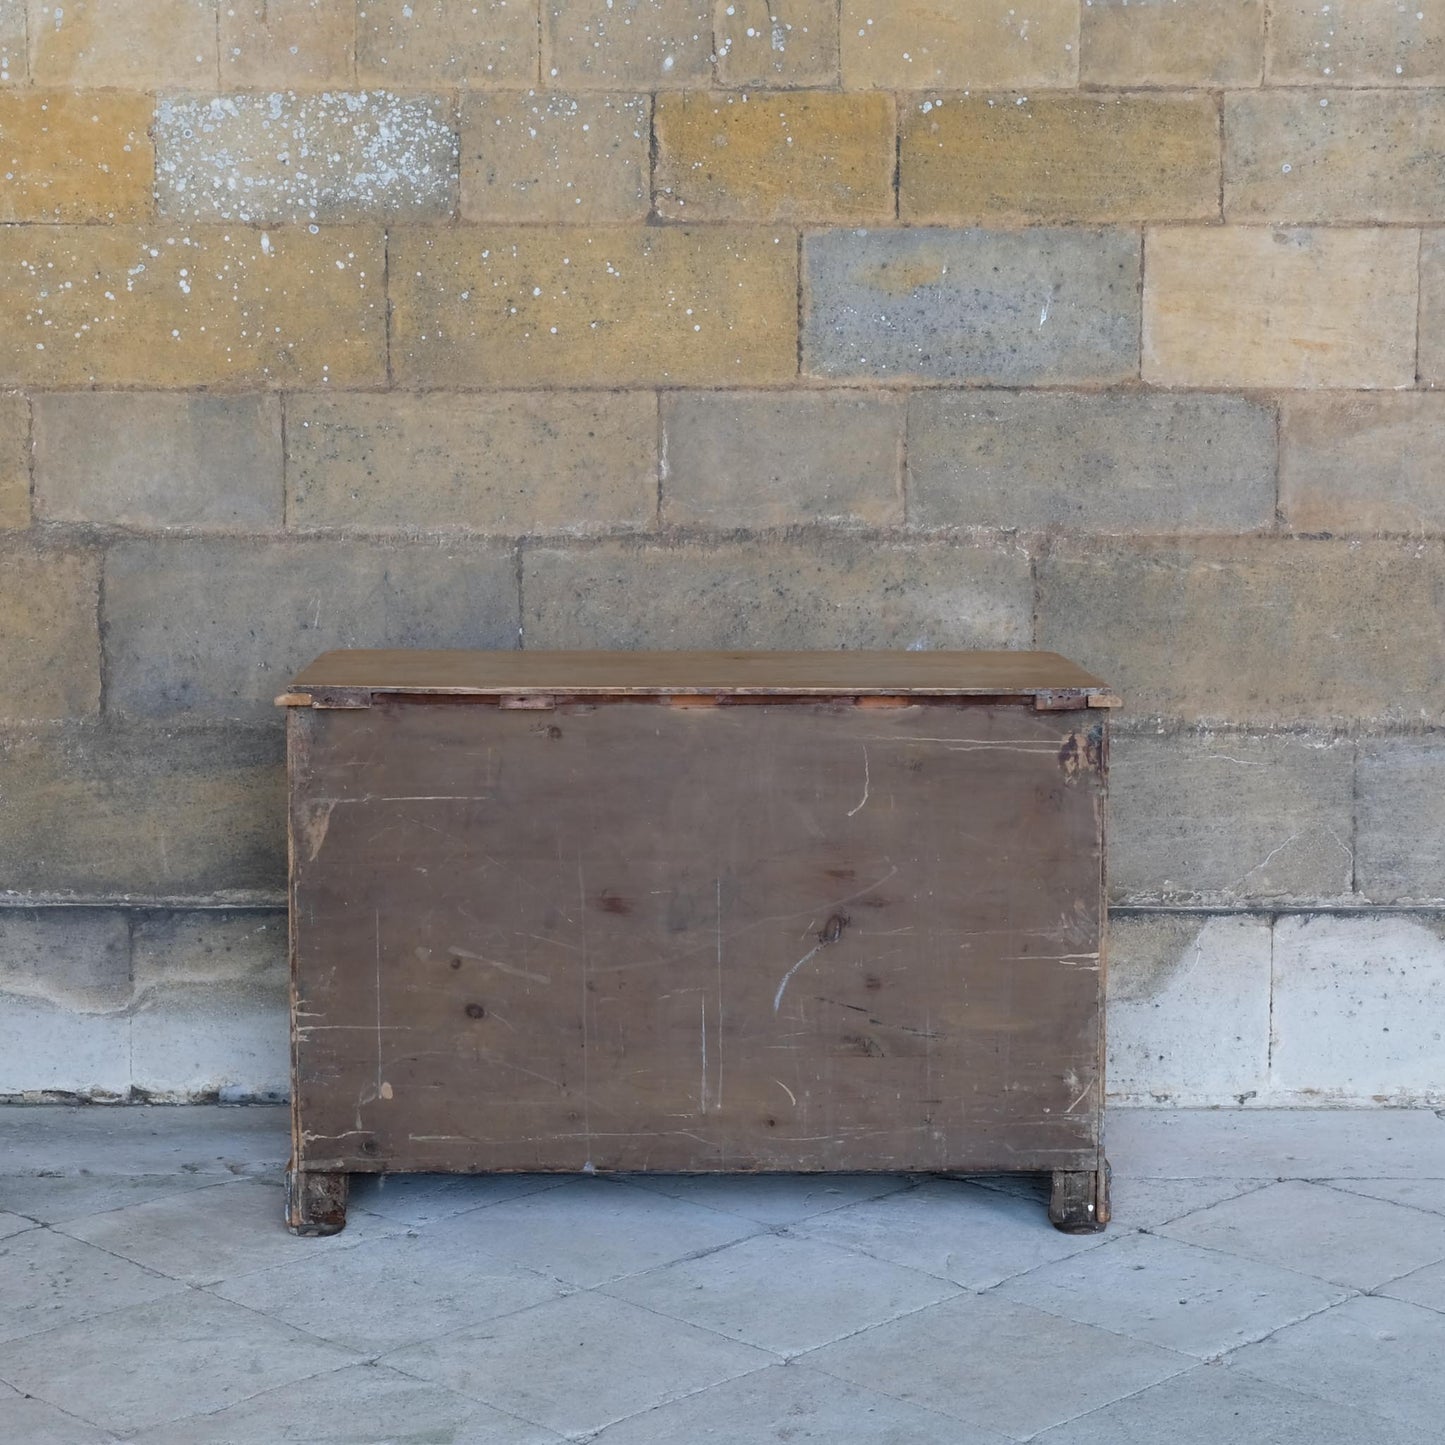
column 1269, row 1275
column 1324, row 1232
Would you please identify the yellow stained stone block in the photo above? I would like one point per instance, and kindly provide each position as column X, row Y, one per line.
column 75, row 156
column 1164, row 42
column 286, row 42
column 994, row 44
column 1237, row 306
column 136, row 43
column 572, row 305
column 446, row 42
column 1018, row 159
column 49, row 633
column 799, row 156
column 191, row 305
column 14, row 461
column 776, row 42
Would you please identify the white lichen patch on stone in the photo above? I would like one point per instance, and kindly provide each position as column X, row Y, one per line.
column 328, row 156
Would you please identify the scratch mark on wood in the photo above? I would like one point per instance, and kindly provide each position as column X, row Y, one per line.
column 377, row 931
column 702, row 1094
column 864, row 799
column 586, row 1078
column 783, row 985
column 312, row 821
column 792, row 1097
column 718, row 932
column 498, row 965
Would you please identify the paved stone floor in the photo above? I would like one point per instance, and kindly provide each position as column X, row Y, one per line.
column 1271, row 1278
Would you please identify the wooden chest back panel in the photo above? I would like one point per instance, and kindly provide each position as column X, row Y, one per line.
column 635, row 936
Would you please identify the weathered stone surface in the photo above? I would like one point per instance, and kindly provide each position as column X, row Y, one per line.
column 1002, row 160
column 1230, row 819
column 156, row 459
column 14, row 461
column 1341, row 155
column 1188, row 1009
column 1255, row 630
column 1358, row 1004
column 1362, row 462
column 210, row 1011
column 1096, row 461
column 68, row 156
column 916, row 44
column 213, row 629
column 1011, row 308
column 649, row 44
column 446, row 42
column 776, row 42
column 802, row 156
column 1401, row 840
column 134, row 44
column 1251, row 306
column 1366, row 42
column 49, row 643
column 565, row 305
column 550, row 156
column 773, row 459
column 286, row 42
column 329, row 156
column 142, row 812
column 150, row 306
column 1432, row 308
column 1161, row 42
column 514, row 462
column 64, row 989
column 834, row 592
column 73, row 958
column 14, row 66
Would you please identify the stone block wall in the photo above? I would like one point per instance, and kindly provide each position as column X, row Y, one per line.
column 1110, row 326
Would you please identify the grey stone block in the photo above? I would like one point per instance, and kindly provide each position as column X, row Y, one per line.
column 1362, row 462
column 1230, row 818
column 142, row 812
column 1359, row 1010
column 813, row 594
column 1093, row 461
column 1189, row 1008
column 214, row 629
column 49, row 641
column 152, row 459
column 210, row 1009
column 510, row 462
column 64, row 995
column 74, row 958
column 1014, row 308
column 771, row 459
column 1254, row 630
column 1402, row 820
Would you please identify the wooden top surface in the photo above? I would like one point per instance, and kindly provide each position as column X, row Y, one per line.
column 935, row 674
